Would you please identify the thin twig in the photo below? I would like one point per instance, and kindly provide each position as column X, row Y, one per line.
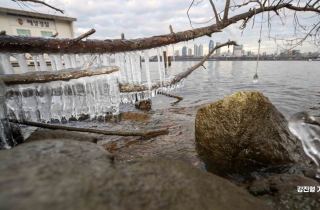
column 226, row 10
column 41, row 2
column 172, row 96
column 215, row 12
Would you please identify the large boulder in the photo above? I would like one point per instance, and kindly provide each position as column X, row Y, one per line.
column 243, row 132
column 67, row 174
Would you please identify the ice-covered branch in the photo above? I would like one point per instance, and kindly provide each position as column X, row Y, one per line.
column 49, row 76
column 177, row 78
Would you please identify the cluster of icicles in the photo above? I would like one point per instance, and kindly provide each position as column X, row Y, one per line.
column 94, row 96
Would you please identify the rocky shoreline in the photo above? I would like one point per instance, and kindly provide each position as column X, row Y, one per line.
column 70, row 170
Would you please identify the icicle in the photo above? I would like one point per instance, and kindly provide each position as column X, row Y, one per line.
column 117, row 63
column 79, row 97
column 5, row 64
column 147, row 67
column 114, row 93
column 98, row 60
column 73, row 61
column 82, row 60
column 56, row 100
column 173, row 53
column 167, row 55
column 138, row 68
column 95, row 83
column 35, row 61
column 163, row 67
column 133, row 68
column 6, row 138
column 90, row 97
column 128, row 69
column 43, row 64
column 68, row 100
column 58, row 62
column 22, row 62
column 44, row 97
column 159, row 67
column 53, row 63
column 85, row 107
column 13, row 102
column 67, row 61
column 29, row 102
column 123, row 73
column 307, row 129
column 106, row 59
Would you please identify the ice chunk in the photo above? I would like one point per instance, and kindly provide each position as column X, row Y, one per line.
column 307, row 129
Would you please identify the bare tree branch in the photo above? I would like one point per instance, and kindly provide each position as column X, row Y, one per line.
column 226, row 10
column 215, row 12
column 41, row 2
column 42, row 45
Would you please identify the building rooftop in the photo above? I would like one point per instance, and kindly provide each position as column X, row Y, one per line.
column 35, row 14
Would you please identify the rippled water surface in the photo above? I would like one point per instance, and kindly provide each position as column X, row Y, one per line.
column 292, row 86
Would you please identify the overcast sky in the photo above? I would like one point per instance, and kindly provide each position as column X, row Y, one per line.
column 145, row 18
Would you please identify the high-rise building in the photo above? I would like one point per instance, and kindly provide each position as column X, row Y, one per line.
column 189, row 52
column 184, row 51
column 238, row 50
column 200, row 50
column 195, row 50
column 218, row 50
column 211, row 45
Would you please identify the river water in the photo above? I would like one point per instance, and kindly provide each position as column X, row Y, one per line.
column 292, row 86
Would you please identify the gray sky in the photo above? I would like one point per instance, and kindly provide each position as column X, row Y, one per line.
column 141, row 18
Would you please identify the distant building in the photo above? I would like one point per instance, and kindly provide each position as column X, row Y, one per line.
column 184, row 51
column 238, row 50
column 296, row 52
column 249, row 53
column 200, row 50
column 189, row 52
column 218, row 50
column 195, row 50
column 25, row 23
column 211, row 45
column 176, row 53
